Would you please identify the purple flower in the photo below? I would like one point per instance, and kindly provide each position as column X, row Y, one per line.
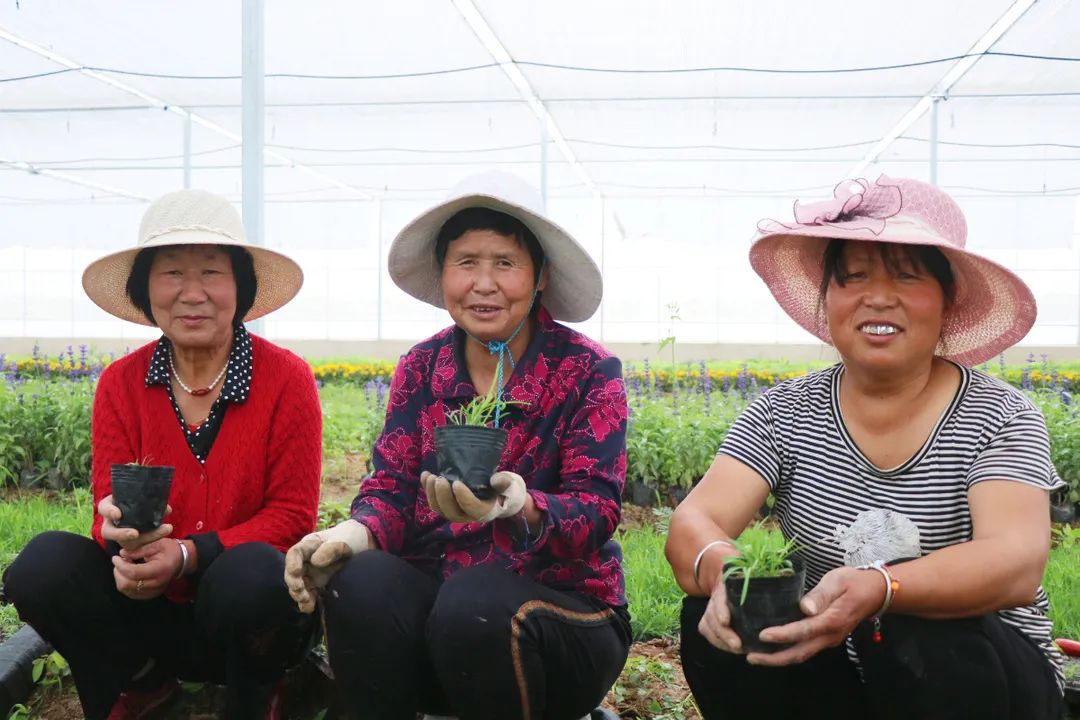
column 706, row 385
column 742, row 380
column 648, row 379
column 635, row 386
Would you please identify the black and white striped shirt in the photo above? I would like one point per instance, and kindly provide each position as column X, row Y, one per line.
column 794, row 437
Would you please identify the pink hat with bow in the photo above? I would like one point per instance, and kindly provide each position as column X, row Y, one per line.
column 992, row 309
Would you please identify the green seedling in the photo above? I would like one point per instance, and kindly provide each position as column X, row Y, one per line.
column 480, row 411
column 763, row 553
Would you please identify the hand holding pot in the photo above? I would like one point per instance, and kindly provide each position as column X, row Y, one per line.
column 311, row 563
column 144, row 573
column 843, row 599
column 715, row 625
column 457, row 503
column 128, row 538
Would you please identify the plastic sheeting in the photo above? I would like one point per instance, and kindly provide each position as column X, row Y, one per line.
column 399, row 101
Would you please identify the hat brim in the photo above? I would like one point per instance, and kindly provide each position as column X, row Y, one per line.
column 574, row 288
column 992, row 309
column 279, row 278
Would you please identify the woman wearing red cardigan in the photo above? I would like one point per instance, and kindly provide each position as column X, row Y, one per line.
column 238, row 419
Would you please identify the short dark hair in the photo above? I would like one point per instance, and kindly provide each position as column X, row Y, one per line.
column 480, row 218
column 243, row 268
column 922, row 257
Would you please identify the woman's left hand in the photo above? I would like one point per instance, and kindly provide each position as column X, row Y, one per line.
column 844, row 598
column 160, row 562
column 457, row 503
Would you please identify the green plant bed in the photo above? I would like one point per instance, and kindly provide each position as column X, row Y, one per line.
column 654, row 597
column 26, row 514
column 45, row 433
column 1062, row 582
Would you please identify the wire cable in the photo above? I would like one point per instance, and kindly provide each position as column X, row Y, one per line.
column 560, row 66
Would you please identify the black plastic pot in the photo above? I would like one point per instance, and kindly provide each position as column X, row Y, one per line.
column 142, row 494
column 770, row 601
column 470, row 454
column 639, row 493
column 1063, row 512
column 17, row 655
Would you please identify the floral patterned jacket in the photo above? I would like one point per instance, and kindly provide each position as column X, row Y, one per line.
column 567, row 440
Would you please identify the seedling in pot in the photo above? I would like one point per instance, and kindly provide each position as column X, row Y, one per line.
column 764, row 584
column 141, row 491
column 468, row 449
column 763, row 553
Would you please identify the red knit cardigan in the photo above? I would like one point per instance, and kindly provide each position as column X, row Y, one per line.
column 260, row 482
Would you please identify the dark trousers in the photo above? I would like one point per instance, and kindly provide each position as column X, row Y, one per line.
column 243, row 630
column 928, row 669
column 486, row 643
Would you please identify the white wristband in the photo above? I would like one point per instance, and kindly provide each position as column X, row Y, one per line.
column 701, row 554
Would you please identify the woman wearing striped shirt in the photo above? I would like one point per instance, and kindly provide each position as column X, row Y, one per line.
column 900, row 456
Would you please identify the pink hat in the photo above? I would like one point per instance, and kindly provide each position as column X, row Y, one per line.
column 992, row 309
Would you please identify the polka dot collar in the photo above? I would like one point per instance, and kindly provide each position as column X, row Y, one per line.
column 237, row 383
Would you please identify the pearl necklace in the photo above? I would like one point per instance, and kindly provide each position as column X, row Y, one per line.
column 198, row 392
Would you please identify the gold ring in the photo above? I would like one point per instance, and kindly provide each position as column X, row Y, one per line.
column 138, row 587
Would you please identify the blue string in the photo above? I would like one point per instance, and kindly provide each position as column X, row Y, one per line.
column 502, row 347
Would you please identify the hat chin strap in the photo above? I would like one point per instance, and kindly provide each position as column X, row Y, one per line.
column 502, row 347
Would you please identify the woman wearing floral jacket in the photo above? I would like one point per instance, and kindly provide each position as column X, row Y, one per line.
column 438, row 600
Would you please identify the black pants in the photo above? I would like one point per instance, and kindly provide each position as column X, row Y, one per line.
column 928, row 669
column 243, row 630
column 486, row 643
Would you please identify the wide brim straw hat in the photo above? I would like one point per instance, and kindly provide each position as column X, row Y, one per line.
column 992, row 309
column 191, row 217
column 575, row 286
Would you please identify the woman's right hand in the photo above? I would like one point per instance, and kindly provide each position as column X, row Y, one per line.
column 127, row 538
column 715, row 625
column 311, row 563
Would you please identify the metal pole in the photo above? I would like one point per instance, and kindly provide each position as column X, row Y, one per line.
column 187, row 151
column 25, row 292
column 543, row 166
column 376, row 227
column 934, row 140
column 252, row 123
column 603, row 249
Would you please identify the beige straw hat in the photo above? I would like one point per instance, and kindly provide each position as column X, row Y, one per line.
column 191, row 217
column 574, row 287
